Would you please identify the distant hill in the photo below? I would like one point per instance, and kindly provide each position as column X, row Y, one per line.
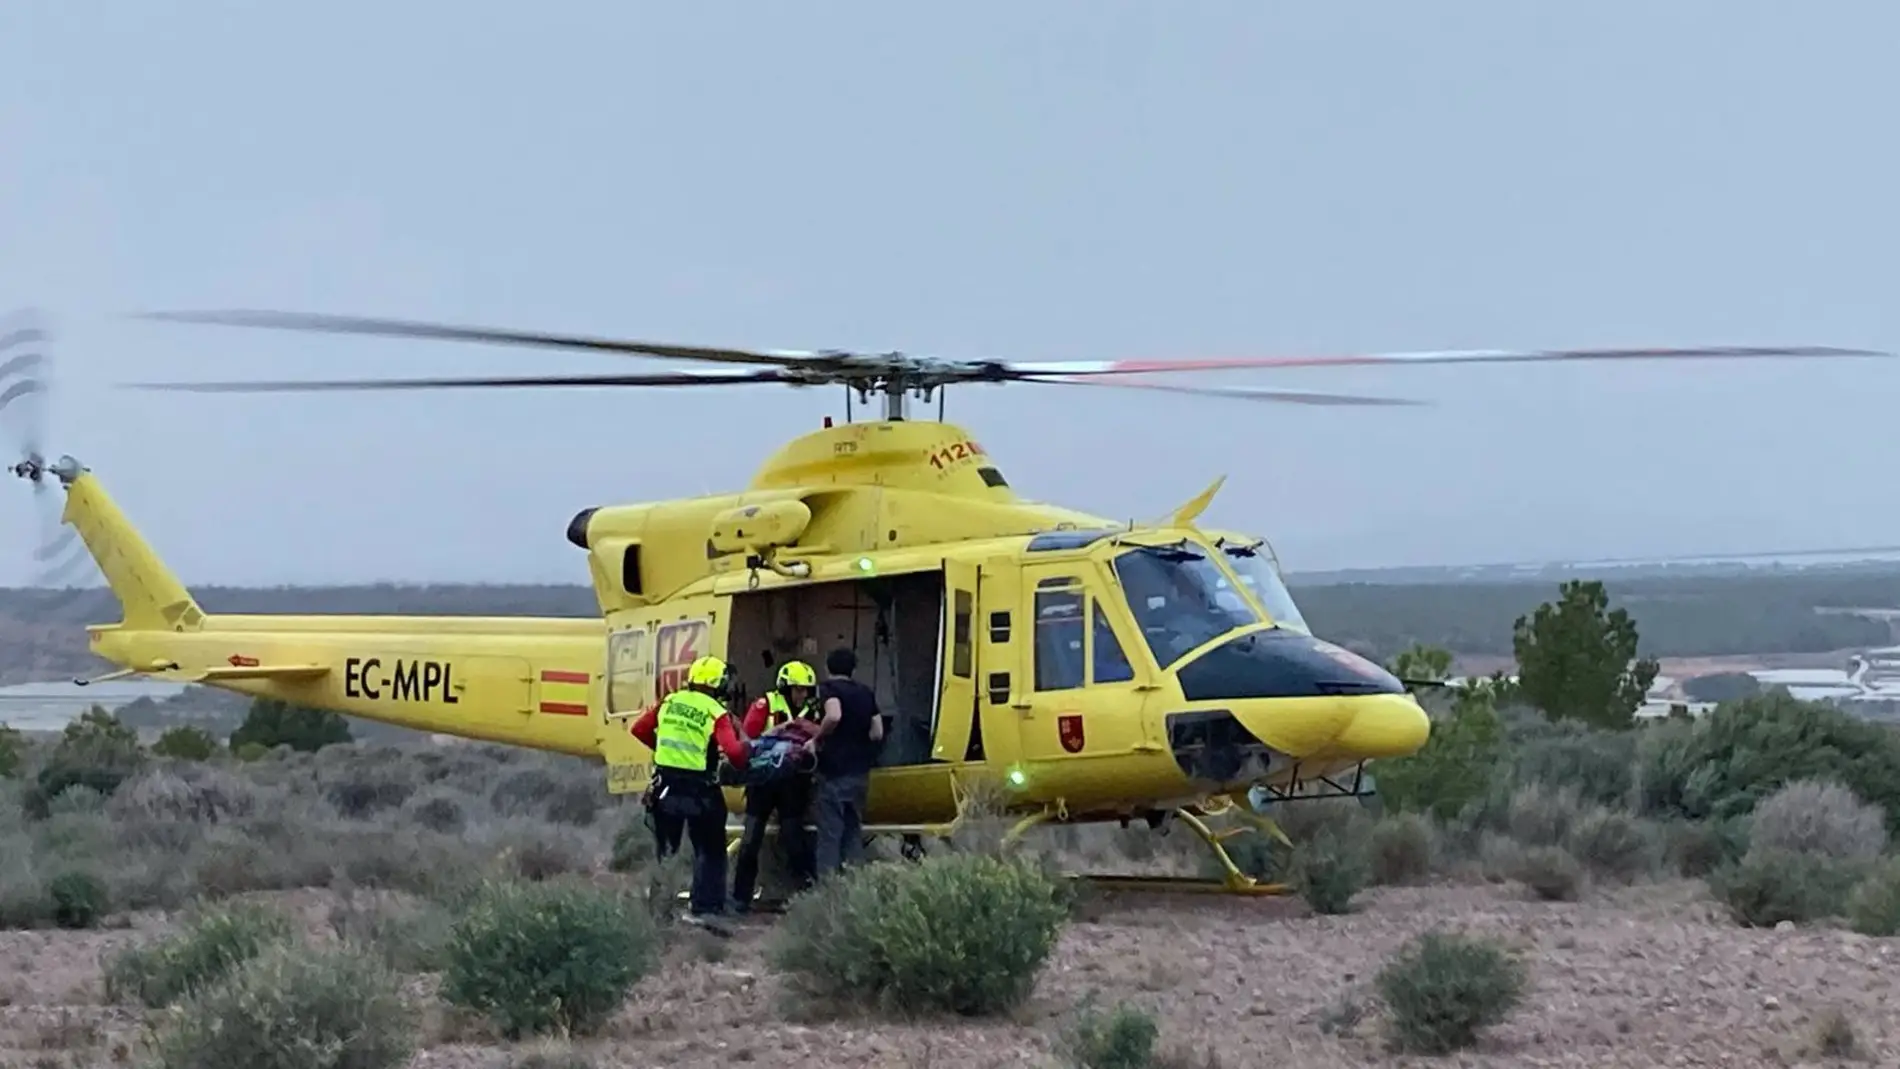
column 1682, row 611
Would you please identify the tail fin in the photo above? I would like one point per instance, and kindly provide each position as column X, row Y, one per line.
column 151, row 597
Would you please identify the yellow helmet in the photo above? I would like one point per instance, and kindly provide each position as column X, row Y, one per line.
column 706, row 672
column 796, row 674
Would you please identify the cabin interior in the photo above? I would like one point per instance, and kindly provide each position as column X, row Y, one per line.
column 893, row 623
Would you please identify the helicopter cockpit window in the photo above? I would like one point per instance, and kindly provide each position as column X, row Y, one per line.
column 1181, row 598
column 1059, row 660
column 1110, row 662
column 1255, row 568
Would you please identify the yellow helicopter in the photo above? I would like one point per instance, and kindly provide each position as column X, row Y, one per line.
column 1088, row 670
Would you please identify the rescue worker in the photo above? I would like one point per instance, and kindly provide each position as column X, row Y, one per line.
column 682, row 730
column 786, row 792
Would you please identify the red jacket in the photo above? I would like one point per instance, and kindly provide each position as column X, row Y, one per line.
column 730, row 744
column 758, row 717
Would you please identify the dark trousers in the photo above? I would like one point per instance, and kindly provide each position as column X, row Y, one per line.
column 695, row 811
column 841, row 821
column 789, row 799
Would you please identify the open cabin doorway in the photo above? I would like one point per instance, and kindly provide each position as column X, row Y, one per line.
column 893, row 623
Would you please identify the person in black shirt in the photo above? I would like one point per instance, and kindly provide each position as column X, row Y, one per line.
column 848, row 740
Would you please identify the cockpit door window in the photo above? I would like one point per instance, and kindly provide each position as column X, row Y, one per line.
column 1181, row 599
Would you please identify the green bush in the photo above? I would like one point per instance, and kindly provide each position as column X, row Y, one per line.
column 95, row 751
column 1599, row 766
column 1700, row 847
column 12, row 752
column 294, row 1008
column 1551, row 872
column 1454, row 768
column 272, row 723
column 79, row 899
column 438, row 809
column 1819, row 817
column 1873, row 908
column 964, row 934
column 1122, row 1038
column 1330, row 868
column 409, row 938
column 1542, row 816
column 1442, row 989
column 537, row 958
column 186, row 743
column 212, row 942
column 1403, row 848
column 1770, row 885
column 1722, row 764
column 1614, row 845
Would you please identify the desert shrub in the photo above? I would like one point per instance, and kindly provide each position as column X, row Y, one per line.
column 294, row 1008
column 633, row 846
column 1873, row 908
column 1699, row 847
column 77, row 800
column 1599, row 766
column 12, row 752
column 1402, row 848
column 370, row 784
column 1613, row 845
column 576, row 801
column 79, row 899
column 965, row 934
column 271, row 723
column 1442, row 989
column 539, row 852
column 551, row 1059
column 439, row 809
column 211, row 943
column 537, row 958
column 185, row 743
column 198, row 793
column 1819, row 817
column 1330, row 868
column 1542, row 816
column 1551, row 872
column 1771, row 885
column 250, row 751
column 1121, row 1038
column 523, row 792
column 1454, row 767
column 408, row 937
column 1722, row 764
column 96, row 750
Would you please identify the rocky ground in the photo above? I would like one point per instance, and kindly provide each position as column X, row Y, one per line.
column 1644, row 976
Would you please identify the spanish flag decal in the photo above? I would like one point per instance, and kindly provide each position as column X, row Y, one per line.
column 564, row 693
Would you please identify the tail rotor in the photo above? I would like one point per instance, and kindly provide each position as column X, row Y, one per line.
column 59, row 559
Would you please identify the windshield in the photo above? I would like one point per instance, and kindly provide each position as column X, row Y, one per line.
column 1181, row 599
column 1256, row 570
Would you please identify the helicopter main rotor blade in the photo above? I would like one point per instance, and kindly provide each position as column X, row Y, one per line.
column 675, row 378
column 404, row 328
column 1440, row 356
column 1244, row 393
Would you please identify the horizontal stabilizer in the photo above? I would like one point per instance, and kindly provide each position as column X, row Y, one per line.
column 222, row 674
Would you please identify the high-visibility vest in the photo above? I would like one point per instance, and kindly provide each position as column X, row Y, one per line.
column 778, row 710
column 683, row 738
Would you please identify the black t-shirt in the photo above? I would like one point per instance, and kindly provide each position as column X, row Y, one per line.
column 848, row 750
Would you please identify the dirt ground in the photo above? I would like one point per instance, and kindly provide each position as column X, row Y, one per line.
column 1645, row 976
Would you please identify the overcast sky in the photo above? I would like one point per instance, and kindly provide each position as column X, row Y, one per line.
column 1037, row 181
